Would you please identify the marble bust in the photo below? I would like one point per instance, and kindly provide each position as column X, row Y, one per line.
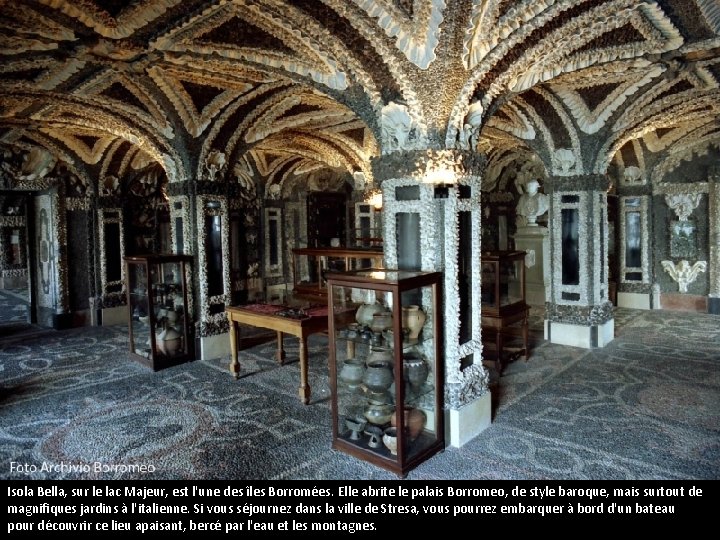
column 532, row 203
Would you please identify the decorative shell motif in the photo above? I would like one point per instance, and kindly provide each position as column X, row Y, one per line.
column 396, row 125
column 683, row 273
column 214, row 163
column 563, row 159
column 470, row 133
column 632, row 175
column 36, row 164
column 683, row 203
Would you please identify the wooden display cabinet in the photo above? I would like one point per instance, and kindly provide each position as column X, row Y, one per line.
column 504, row 310
column 386, row 366
column 160, row 322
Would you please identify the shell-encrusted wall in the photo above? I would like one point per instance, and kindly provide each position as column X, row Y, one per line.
column 51, row 275
column 112, row 292
column 210, row 324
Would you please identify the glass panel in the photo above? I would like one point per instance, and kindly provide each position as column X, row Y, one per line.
column 489, row 276
column 465, row 256
column 113, row 263
column 139, row 309
column 407, row 193
column 179, row 235
column 213, row 255
column 633, row 236
column 570, row 247
column 408, row 240
column 273, row 237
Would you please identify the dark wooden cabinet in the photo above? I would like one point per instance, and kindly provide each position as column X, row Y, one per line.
column 161, row 326
column 386, row 366
column 504, row 310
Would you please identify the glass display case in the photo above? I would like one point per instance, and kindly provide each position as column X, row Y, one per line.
column 311, row 264
column 160, row 321
column 386, row 367
column 504, row 310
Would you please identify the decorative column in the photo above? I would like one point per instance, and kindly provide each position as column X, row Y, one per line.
column 432, row 222
column 714, row 206
column 579, row 313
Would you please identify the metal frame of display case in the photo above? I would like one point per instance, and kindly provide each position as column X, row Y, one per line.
column 422, row 400
column 504, row 320
column 157, row 297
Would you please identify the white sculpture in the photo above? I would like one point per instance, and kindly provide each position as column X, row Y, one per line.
column 564, row 159
column 683, row 204
column 470, row 134
column 532, row 203
column 683, row 273
column 632, row 174
column 396, row 124
column 36, row 164
column 214, row 163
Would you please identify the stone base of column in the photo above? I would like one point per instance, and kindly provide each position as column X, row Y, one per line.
column 587, row 337
column 214, row 346
column 467, row 422
column 114, row 315
column 634, row 300
column 536, row 243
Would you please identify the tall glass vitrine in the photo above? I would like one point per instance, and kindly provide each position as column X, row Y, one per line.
column 160, row 321
column 386, row 366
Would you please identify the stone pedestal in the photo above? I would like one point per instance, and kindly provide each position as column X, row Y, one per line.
column 536, row 242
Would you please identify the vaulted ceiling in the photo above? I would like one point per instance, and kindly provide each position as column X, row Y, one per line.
column 282, row 87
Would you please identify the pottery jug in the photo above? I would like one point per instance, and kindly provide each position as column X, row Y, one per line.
column 382, row 320
column 365, row 312
column 414, row 421
column 390, row 440
column 378, row 375
column 379, row 414
column 172, row 340
column 352, row 372
column 413, row 319
column 415, row 370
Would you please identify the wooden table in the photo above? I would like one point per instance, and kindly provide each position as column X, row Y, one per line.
column 270, row 316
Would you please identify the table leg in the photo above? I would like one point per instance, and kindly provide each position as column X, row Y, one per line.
column 525, row 336
column 499, row 345
column 280, row 353
column 304, row 390
column 234, row 364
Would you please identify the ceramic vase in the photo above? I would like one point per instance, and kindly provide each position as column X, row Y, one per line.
column 382, row 320
column 379, row 414
column 378, row 375
column 413, row 319
column 172, row 339
column 390, row 440
column 415, row 370
column 352, row 372
column 365, row 312
column 414, row 421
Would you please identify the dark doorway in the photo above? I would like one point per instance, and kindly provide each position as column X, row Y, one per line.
column 326, row 218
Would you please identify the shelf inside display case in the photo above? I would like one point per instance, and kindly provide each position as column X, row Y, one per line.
column 386, row 366
column 159, row 319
